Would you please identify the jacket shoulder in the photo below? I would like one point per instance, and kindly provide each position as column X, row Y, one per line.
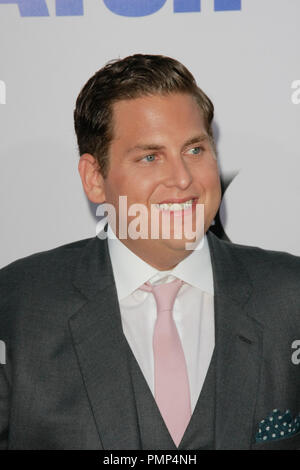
column 265, row 265
column 271, row 277
column 41, row 260
column 46, row 271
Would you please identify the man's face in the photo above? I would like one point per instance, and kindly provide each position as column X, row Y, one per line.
column 161, row 152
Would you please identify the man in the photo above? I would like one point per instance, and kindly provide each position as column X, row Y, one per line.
column 142, row 343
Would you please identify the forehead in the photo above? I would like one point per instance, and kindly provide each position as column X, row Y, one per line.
column 157, row 114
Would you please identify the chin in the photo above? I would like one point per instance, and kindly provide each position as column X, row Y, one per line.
column 178, row 245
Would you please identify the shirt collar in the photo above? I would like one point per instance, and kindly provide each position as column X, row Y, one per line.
column 195, row 269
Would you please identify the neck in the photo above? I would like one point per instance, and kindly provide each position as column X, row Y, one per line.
column 162, row 259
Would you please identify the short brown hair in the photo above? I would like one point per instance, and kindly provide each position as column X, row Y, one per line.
column 132, row 77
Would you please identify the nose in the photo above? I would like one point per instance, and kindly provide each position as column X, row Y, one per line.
column 177, row 173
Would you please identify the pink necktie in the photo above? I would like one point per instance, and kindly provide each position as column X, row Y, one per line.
column 172, row 392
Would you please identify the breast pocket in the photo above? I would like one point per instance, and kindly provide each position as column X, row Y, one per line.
column 289, row 443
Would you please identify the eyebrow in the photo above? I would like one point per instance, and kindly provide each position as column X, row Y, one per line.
column 193, row 140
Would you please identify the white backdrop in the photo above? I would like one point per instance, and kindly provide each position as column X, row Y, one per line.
column 246, row 60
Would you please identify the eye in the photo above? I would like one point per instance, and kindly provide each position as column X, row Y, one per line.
column 148, row 158
column 195, row 150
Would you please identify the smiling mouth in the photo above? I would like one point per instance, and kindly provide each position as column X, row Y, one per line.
column 177, row 206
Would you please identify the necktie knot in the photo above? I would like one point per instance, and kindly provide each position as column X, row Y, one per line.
column 164, row 294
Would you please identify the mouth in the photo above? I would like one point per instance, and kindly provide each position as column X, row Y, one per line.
column 177, row 206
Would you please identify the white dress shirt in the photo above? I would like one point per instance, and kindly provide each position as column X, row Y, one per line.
column 193, row 310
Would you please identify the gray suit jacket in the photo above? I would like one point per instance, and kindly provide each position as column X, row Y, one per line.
column 66, row 382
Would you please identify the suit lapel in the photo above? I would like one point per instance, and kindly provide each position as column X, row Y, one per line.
column 102, row 350
column 238, row 348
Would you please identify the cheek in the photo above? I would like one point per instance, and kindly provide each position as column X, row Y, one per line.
column 137, row 188
column 138, row 185
column 209, row 178
column 214, row 181
column 116, row 183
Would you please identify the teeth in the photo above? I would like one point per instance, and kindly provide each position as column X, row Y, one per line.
column 175, row 206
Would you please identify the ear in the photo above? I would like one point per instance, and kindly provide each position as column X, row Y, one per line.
column 92, row 179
